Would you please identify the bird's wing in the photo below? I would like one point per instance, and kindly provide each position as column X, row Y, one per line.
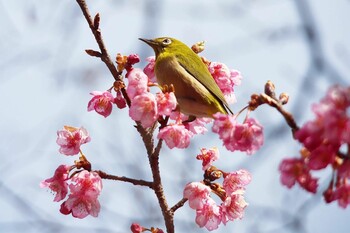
column 194, row 66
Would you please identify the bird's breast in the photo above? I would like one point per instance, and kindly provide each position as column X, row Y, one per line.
column 192, row 96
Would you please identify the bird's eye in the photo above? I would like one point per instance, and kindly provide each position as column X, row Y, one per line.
column 166, row 41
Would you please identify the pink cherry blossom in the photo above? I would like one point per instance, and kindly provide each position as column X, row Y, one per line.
column 175, row 135
column 166, row 103
column 178, row 117
column 131, row 60
column 58, row 183
column 119, row 100
column 225, row 79
column 237, row 180
column 101, row 102
column 196, row 193
column 137, row 83
column 330, row 129
column 209, row 216
column 344, row 169
column 144, row 109
column 309, row 135
column 342, row 195
column 84, row 191
column 70, row 139
column 208, row 157
column 328, row 194
column 198, row 125
column 295, row 170
column 236, row 77
column 149, row 69
column 247, row 137
column 136, row 228
column 346, row 136
column 321, row 157
column 233, row 207
column 338, row 96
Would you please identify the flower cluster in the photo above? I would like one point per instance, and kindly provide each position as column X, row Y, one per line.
column 322, row 139
column 246, row 137
column 208, row 213
column 84, row 186
column 147, row 108
column 226, row 79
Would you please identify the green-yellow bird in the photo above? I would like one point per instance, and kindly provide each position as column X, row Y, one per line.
column 196, row 91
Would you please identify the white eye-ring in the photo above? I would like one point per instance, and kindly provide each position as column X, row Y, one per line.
column 166, row 41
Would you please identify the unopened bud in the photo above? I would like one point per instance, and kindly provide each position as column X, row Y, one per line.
column 97, row 21
column 284, row 97
column 254, row 102
column 198, row 47
column 93, row 53
column 121, row 61
column 270, row 89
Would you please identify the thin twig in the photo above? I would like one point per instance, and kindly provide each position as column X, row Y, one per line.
column 104, row 175
column 93, row 24
column 279, row 107
column 269, row 98
column 178, row 205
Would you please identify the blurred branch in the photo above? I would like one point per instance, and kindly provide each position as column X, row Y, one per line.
column 319, row 63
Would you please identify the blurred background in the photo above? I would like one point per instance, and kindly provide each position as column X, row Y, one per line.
column 45, row 79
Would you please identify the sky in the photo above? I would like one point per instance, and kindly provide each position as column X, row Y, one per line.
column 46, row 78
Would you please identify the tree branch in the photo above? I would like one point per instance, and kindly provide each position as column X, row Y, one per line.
column 269, row 97
column 104, row 175
column 146, row 134
column 178, row 205
column 287, row 115
column 94, row 26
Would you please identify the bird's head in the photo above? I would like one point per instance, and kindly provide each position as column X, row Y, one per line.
column 164, row 44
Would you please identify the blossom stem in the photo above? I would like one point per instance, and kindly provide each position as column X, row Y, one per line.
column 240, row 111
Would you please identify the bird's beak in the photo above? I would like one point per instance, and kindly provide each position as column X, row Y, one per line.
column 157, row 48
column 151, row 43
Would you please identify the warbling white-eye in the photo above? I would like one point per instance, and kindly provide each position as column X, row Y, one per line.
column 196, row 91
